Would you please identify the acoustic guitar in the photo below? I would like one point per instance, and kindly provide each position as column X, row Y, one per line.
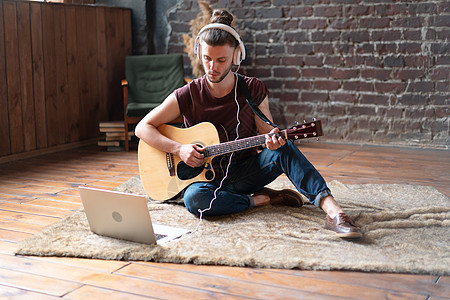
column 164, row 175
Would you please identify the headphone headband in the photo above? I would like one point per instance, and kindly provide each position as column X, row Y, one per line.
column 239, row 55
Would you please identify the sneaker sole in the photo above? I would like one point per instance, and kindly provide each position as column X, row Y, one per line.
column 350, row 235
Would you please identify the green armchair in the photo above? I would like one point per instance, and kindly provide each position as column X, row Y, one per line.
column 149, row 80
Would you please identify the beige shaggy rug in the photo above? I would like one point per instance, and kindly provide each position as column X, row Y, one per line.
column 406, row 230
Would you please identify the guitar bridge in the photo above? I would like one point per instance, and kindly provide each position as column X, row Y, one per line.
column 170, row 164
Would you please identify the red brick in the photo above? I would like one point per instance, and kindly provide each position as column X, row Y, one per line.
column 293, row 61
column 373, row 61
column 374, row 22
column 344, row 24
column 252, row 3
column 313, row 24
column 418, row 61
column 414, row 22
column 334, row 60
column 295, row 12
column 299, row 107
column 273, row 83
column 286, row 72
column 362, row 110
column 284, row 24
column 365, row 48
column 383, row 49
column 391, row 9
column 269, row 12
column 290, row 37
column 313, row 60
column 325, row 36
column 386, row 35
column 413, row 35
column 317, row 72
column 357, row 86
column 260, row 72
column 420, row 87
column 343, row 97
column 289, row 97
column 443, row 7
column 440, row 48
column 343, row 74
column 268, row 61
column 440, row 21
column 390, row 87
column 358, row 10
column 313, row 96
column 443, row 86
column 275, row 49
column 379, row 74
column 422, row 8
column 328, row 11
column 354, row 61
column 326, row 85
column 413, row 99
column 356, row 36
column 440, row 73
column 268, row 37
column 301, row 48
column 407, row 74
column 374, row 99
column 394, row 112
column 441, row 112
column 300, row 85
column 326, row 48
column 332, row 110
column 410, row 48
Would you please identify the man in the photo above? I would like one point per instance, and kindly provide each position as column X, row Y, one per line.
column 241, row 177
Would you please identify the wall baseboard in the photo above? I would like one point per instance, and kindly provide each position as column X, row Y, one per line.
column 29, row 154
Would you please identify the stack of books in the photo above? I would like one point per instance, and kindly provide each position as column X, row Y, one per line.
column 113, row 135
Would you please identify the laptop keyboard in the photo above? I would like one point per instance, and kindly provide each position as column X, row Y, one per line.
column 159, row 236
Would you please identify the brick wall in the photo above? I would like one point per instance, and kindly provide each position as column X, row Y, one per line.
column 374, row 71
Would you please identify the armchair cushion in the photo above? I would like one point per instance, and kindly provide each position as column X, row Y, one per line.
column 151, row 78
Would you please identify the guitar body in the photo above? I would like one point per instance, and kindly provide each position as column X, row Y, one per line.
column 154, row 167
column 164, row 175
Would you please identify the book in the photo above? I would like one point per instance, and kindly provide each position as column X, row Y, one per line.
column 108, row 143
column 113, row 124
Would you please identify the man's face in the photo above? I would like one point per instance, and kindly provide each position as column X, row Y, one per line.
column 217, row 61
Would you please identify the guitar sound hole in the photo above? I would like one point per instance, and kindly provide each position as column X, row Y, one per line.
column 185, row 172
column 209, row 175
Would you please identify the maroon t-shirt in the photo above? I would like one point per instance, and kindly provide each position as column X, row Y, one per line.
column 197, row 105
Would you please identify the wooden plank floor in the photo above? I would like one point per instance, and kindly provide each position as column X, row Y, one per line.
column 39, row 191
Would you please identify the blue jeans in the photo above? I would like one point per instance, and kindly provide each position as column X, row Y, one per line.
column 249, row 175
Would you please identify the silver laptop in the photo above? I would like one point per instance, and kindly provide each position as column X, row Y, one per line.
column 124, row 216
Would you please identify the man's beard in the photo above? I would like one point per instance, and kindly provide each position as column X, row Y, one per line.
column 221, row 77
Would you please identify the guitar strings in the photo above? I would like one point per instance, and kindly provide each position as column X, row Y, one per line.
column 201, row 211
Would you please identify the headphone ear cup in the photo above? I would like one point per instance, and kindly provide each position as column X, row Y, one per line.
column 197, row 49
column 237, row 57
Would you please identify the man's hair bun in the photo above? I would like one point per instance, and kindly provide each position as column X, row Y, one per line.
column 221, row 16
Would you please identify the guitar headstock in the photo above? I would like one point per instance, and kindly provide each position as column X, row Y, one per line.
column 305, row 130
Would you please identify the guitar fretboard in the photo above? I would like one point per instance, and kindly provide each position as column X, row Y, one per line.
column 228, row 147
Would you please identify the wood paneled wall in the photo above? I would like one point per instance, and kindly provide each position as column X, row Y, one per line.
column 60, row 72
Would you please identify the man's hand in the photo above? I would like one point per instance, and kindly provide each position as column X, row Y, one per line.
column 192, row 155
column 273, row 141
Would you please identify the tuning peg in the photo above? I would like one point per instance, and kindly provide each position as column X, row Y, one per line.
column 313, row 119
column 296, row 123
column 304, row 121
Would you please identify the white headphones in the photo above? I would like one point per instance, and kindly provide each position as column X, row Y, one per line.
column 239, row 54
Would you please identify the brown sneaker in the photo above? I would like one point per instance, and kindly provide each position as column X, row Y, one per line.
column 343, row 226
column 286, row 197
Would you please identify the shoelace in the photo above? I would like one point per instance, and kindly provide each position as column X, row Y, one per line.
column 345, row 219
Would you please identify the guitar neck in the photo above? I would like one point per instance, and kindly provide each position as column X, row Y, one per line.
column 242, row 144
